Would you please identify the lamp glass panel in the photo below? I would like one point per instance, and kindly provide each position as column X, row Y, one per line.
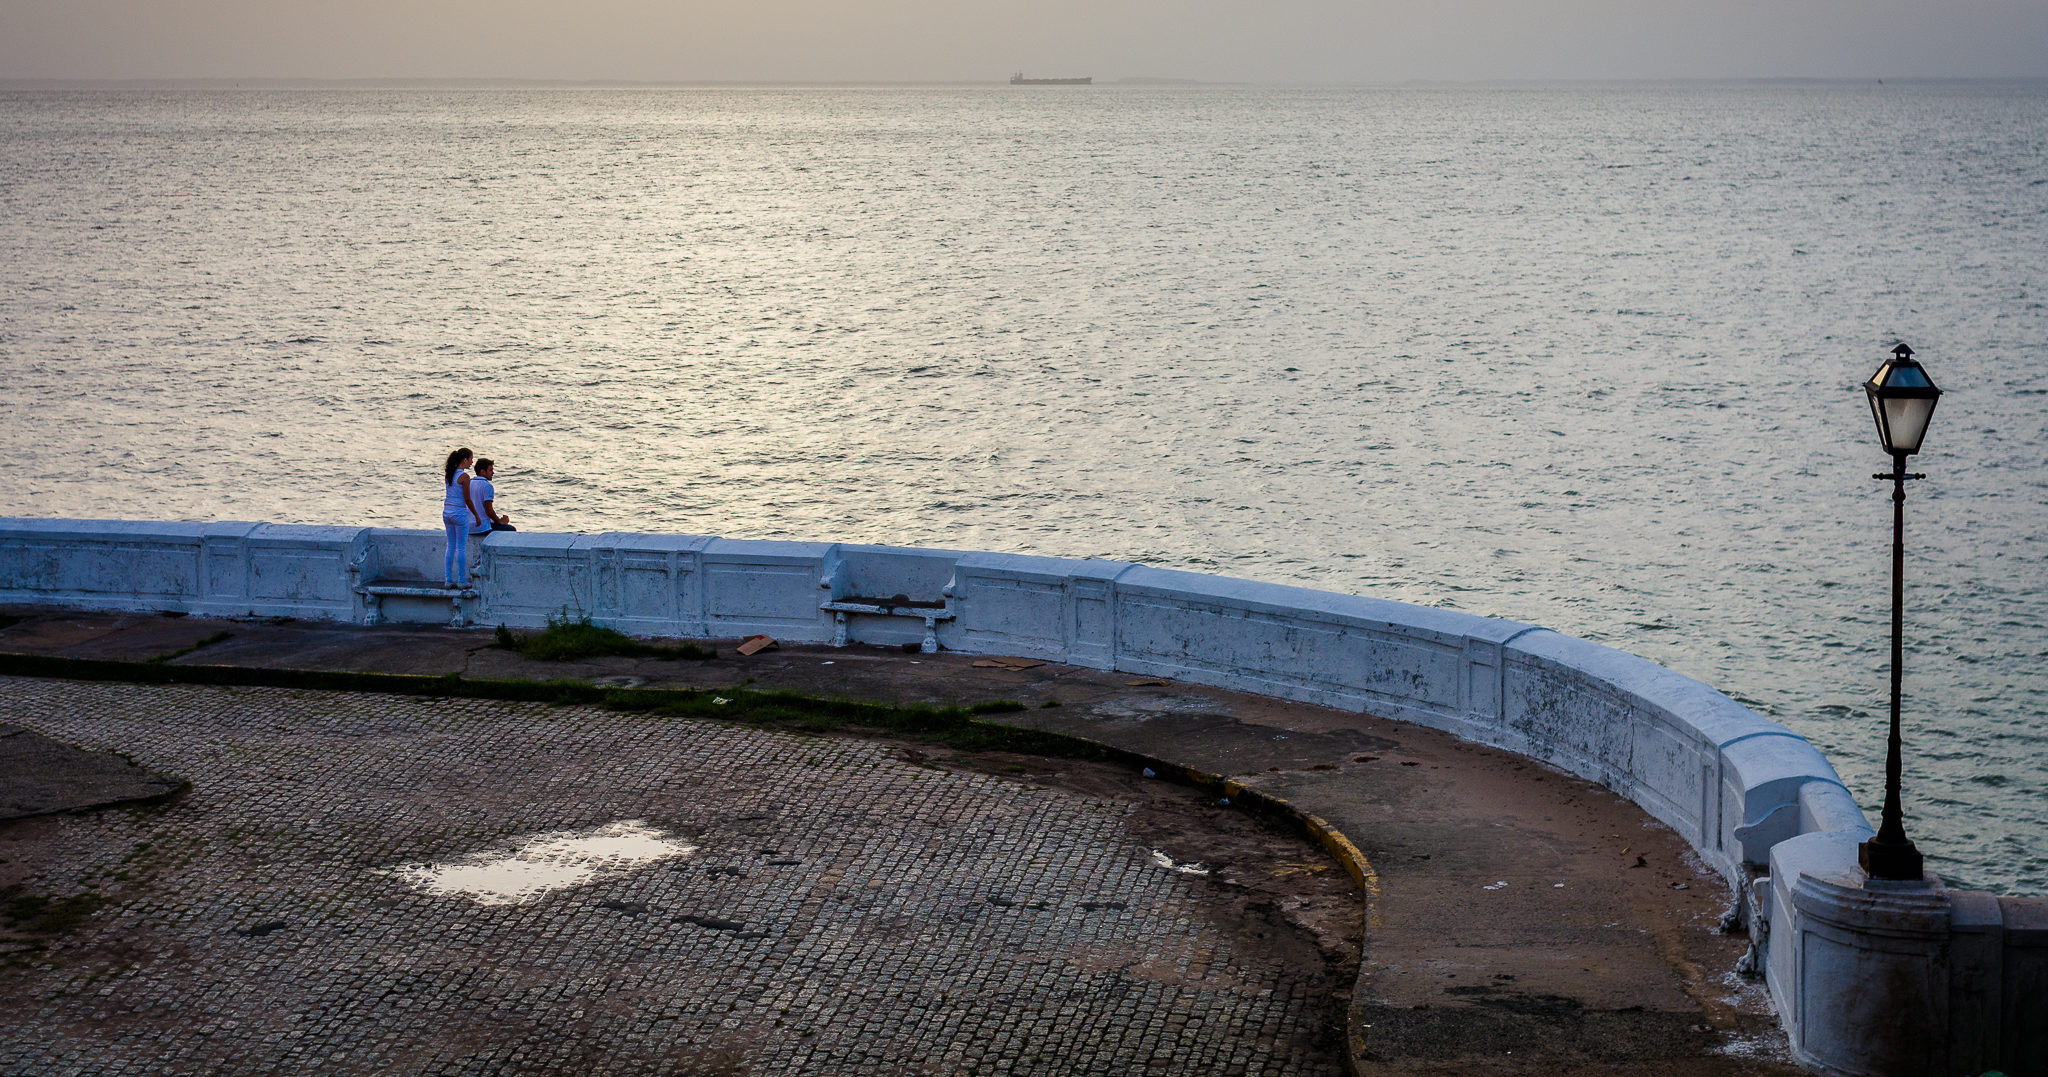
column 1895, row 376
column 1906, row 422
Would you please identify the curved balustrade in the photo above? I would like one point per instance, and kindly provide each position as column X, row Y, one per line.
column 1868, row 978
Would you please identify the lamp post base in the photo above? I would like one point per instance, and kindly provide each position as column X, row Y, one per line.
column 1892, row 860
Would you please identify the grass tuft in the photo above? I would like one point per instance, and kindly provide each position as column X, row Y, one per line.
column 564, row 640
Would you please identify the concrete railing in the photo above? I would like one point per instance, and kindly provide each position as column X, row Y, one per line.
column 1869, row 979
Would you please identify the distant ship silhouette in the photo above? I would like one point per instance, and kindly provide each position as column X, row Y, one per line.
column 1018, row 79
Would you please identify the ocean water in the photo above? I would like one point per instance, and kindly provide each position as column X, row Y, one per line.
column 1586, row 357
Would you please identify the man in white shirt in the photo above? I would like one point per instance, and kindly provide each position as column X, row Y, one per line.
column 484, row 494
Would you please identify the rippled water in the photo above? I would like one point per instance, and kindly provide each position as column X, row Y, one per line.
column 1586, row 357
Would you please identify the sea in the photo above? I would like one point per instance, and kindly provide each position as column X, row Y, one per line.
column 1584, row 356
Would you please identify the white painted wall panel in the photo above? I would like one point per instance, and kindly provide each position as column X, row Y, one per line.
column 528, row 577
column 771, row 587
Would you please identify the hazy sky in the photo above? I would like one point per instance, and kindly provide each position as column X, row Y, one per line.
column 883, row 40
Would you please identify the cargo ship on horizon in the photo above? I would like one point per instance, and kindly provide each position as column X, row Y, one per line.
column 1018, row 79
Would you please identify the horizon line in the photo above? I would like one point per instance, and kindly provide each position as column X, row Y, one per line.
column 466, row 81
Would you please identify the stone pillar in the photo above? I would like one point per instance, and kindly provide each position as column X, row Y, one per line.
column 1859, row 967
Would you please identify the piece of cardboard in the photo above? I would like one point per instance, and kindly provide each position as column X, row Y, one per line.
column 1008, row 663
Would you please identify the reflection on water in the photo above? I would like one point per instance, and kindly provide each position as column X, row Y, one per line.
column 545, row 863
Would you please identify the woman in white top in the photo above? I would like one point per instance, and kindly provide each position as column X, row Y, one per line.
column 458, row 515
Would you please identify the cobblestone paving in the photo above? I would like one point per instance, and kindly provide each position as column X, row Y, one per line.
column 849, row 910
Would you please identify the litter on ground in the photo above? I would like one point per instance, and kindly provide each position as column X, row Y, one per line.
column 1008, row 663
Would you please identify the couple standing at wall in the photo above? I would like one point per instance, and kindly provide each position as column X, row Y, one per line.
column 468, row 507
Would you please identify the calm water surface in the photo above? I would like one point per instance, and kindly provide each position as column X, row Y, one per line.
column 1586, row 358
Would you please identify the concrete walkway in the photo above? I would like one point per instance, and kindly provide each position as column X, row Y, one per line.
column 1520, row 920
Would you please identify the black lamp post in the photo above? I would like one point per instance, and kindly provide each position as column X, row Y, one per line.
column 1902, row 399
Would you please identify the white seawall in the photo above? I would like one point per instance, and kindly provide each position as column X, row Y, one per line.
column 1868, row 979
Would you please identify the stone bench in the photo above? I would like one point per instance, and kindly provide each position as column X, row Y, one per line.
column 414, row 593
column 898, row 606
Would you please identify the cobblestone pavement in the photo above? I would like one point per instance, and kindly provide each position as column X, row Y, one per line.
column 850, row 907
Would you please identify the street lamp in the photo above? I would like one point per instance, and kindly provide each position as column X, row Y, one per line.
column 1902, row 399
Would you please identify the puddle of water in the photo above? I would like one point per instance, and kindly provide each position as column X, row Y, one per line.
column 1187, row 867
column 545, row 863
